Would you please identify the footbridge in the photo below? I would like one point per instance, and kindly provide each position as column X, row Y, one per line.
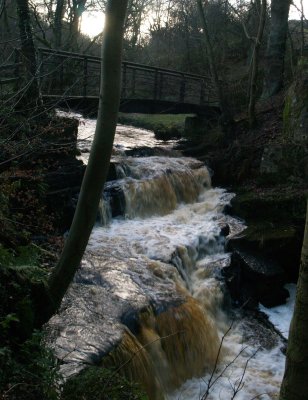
column 73, row 79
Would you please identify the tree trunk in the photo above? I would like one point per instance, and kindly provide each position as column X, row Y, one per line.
column 77, row 8
column 31, row 98
column 302, row 29
column 295, row 381
column 255, row 66
column 59, row 13
column 276, row 48
column 98, row 165
column 226, row 118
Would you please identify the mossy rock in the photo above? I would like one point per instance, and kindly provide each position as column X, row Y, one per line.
column 96, row 383
column 273, row 204
column 284, row 162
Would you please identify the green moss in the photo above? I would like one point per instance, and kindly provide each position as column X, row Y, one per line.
column 96, row 383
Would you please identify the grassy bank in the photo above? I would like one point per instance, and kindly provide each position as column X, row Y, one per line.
column 165, row 126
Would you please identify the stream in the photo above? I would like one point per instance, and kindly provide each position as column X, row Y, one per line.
column 150, row 293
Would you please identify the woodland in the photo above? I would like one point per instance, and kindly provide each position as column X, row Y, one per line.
column 254, row 139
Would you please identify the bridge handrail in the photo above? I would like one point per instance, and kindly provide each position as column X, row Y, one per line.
column 139, row 66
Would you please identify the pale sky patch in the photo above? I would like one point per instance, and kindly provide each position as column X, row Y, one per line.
column 92, row 23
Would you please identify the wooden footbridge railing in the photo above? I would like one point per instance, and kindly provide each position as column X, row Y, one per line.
column 65, row 75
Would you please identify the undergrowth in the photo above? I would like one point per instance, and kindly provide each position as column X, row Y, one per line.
column 96, row 383
column 28, row 370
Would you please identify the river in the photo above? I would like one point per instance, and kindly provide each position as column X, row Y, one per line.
column 151, row 285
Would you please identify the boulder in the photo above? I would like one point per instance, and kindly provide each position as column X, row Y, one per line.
column 253, row 278
column 114, row 194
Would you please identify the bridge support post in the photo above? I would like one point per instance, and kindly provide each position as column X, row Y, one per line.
column 160, row 86
column 155, row 84
column 133, row 82
column 202, row 93
column 124, row 80
column 85, row 76
column 182, row 89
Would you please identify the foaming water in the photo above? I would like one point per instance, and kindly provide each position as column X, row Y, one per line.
column 280, row 316
column 156, row 185
column 150, row 299
column 126, row 138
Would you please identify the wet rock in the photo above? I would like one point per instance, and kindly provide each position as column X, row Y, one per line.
column 112, row 172
column 168, row 133
column 225, row 230
column 107, row 294
column 277, row 241
column 259, row 331
column 252, row 278
column 116, row 199
column 145, row 152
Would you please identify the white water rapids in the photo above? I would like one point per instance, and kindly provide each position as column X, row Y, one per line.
column 171, row 225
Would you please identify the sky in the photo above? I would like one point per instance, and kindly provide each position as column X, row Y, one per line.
column 92, row 22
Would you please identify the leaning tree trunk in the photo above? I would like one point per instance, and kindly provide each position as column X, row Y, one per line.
column 99, row 160
column 295, row 381
column 30, row 95
column 276, row 48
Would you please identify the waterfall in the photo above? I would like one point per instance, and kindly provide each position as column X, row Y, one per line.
column 149, row 298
